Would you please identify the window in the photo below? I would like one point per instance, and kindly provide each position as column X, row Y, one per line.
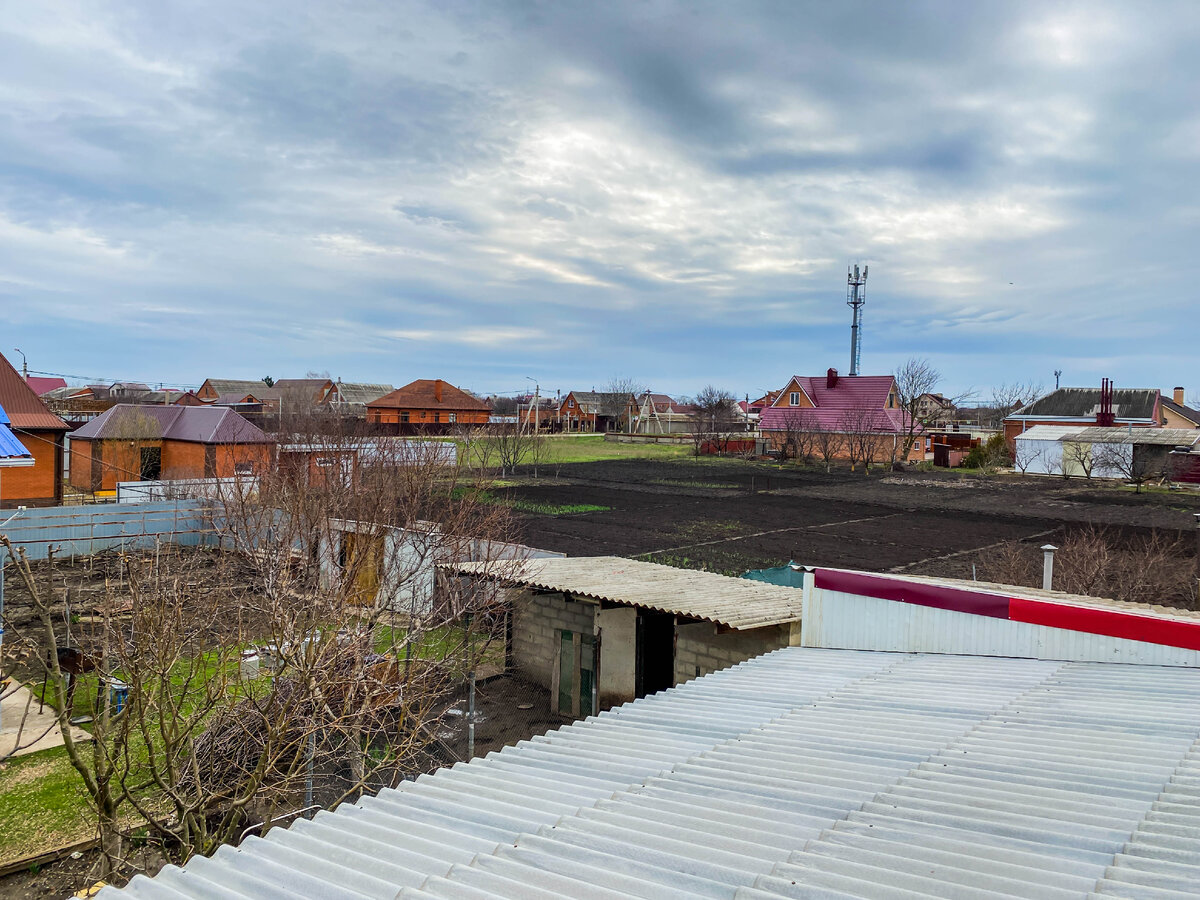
column 453, row 418
column 404, row 417
column 570, row 403
column 891, row 401
column 794, row 398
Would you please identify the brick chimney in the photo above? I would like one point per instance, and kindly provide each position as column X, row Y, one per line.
column 437, row 390
column 831, row 378
column 1177, row 395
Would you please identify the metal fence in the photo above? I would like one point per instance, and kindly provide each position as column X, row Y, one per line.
column 80, row 531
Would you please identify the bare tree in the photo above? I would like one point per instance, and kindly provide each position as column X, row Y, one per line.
column 715, row 418
column 797, row 437
column 828, row 443
column 1008, row 398
column 916, row 379
column 307, row 655
column 1028, row 454
column 617, row 401
column 512, row 445
column 1078, row 456
column 864, row 443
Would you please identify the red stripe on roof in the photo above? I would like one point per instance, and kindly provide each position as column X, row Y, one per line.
column 1107, row 622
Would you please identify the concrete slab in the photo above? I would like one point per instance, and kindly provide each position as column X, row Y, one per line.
column 23, row 729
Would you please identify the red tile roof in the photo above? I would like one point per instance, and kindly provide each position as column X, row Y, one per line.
column 25, row 408
column 427, row 393
column 835, row 406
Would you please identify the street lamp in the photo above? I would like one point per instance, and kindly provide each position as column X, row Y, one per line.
column 536, row 409
column 24, row 364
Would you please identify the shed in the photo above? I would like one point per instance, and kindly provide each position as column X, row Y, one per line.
column 598, row 631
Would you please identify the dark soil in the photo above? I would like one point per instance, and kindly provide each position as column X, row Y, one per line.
column 731, row 516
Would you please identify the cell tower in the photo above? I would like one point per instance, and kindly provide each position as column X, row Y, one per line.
column 856, row 296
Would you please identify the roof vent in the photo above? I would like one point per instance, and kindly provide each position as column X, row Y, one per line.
column 831, row 378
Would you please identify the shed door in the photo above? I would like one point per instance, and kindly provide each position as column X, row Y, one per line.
column 576, row 670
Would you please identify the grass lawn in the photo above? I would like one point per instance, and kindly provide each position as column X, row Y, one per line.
column 42, row 805
column 593, row 448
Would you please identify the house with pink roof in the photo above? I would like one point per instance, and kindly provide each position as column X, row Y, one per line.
column 859, row 416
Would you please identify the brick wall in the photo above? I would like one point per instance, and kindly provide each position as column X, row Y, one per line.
column 538, row 620
column 39, row 484
column 698, row 646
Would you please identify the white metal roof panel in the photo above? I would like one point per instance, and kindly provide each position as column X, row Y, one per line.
column 737, row 603
column 803, row 773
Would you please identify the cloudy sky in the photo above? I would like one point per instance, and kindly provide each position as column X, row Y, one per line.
column 670, row 192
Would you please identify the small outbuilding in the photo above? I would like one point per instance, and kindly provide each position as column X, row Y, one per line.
column 600, row 631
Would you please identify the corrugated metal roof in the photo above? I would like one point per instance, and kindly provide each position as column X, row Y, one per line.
column 803, row 773
column 1165, row 437
column 853, row 403
column 736, row 603
column 10, row 448
column 198, row 424
column 26, row 410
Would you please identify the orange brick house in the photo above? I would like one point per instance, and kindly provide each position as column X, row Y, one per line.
column 149, row 443
column 41, row 433
column 429, row 406
column 854, row 411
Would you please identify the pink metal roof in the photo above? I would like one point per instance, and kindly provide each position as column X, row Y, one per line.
column 855, row 400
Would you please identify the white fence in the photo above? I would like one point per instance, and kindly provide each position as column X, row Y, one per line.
column 185, row 489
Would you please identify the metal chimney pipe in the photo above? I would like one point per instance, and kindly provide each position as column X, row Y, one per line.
column 1048, row 566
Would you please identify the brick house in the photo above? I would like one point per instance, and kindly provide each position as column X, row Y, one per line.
column 596, row 411
column 151, row 443
column 1081, row 407
column 429, row 406
column 41, row 433
column 863, row 405
column 1177, row 414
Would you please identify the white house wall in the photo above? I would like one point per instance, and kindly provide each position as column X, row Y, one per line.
column 837, row 620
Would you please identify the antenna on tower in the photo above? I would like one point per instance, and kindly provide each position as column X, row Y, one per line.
column 856, row 296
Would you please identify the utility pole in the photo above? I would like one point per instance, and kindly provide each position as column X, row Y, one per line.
column 1057, row 375
column 24, row 364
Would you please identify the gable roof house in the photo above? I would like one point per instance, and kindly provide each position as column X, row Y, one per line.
column 836, row 404
column 1176, row 414
column 41, row 433
column 44, row 384
column 427, row 405
column 151, row 443
column 595, row 411
column 1104, row 406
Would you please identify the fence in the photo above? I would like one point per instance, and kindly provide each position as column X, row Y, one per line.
column 81, row 531
column 184, row 488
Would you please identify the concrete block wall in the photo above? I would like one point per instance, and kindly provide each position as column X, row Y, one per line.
column 538, row 623
column 699, row 649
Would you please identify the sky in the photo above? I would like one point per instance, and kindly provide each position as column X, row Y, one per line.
column 503, row 193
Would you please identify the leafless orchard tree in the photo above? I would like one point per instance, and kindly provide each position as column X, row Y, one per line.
column 1136, row 464
column 1078, row 457
column 827, row 443
column 310, row 652
column 797, row 437
column 1027, row 455
column 865, row 444
column 715, row 418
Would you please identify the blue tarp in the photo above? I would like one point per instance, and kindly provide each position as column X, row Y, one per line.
column 784, row 576
column 10, row 447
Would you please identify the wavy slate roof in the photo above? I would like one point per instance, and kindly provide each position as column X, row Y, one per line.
column 736, row 603
column 801, row 774
column 196, row 424
column 1071, row 403
column 862, row 398
column 25, row 409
